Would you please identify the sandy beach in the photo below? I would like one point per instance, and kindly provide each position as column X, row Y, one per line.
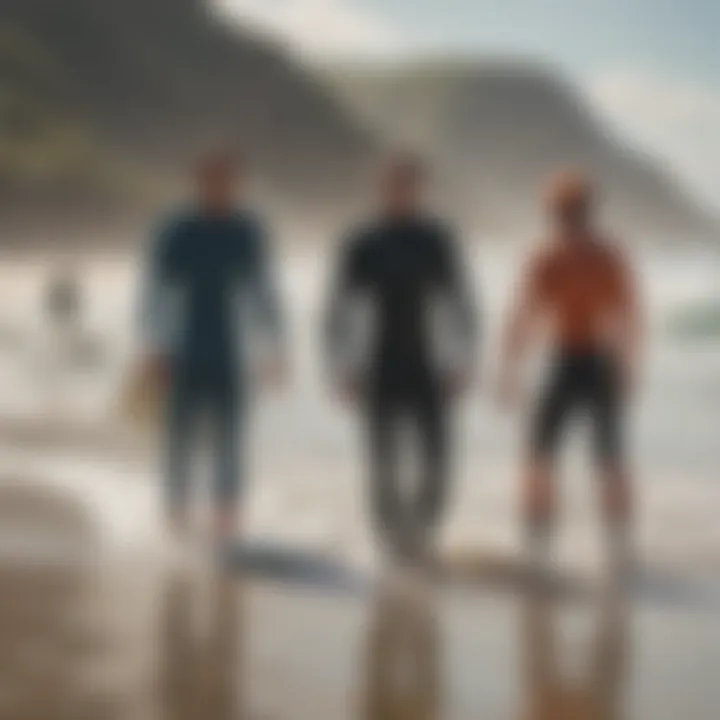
column 96, row 622
column 127, row 638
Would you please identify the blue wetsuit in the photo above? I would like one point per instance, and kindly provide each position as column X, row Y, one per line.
column 209, row 278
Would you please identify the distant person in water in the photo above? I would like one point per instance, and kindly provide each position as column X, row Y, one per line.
column 403, row 268
column 210, row 280
column 63, row 299
column 579, row 287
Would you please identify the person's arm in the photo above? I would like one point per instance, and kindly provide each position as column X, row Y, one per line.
column 158, row 303
column 520, row 332
column 464, row 315
column 349, row 279
column 630, row 323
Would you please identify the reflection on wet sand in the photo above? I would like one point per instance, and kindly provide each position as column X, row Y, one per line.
column 127, row 640
column 556, row 693
column 403, row 673
column 93, row 643
column 201, row 651
column 42, row 644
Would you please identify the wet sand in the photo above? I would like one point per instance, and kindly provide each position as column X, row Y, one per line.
column 127, row 638
column 117, row 633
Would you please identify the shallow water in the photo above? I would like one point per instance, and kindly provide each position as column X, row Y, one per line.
column 94, row 623
column 307, row 472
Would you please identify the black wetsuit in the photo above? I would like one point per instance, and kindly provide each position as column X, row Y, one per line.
column 581, row 381
column 402, row 266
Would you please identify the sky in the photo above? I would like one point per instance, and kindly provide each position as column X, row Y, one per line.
column 650, row 67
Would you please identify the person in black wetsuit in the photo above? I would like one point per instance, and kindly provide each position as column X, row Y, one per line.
column 405, row 268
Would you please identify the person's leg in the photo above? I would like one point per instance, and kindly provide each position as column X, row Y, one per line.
column 539, row 485
column 431, row 416
column 616, row 486
column 386, row 505
column 181, row 420
column 227, row 434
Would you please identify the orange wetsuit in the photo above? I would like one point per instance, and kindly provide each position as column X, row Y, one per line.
column 583, row 288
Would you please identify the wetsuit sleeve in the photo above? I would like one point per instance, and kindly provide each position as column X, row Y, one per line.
column 158, row 302
column 351, row 278
column 264, row 293
column 461, row 300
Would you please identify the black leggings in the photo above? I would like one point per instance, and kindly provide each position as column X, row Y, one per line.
column 399, row 519
column 588, row 382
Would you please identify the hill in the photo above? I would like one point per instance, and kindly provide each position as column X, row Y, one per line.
column 104, row 104
column 497, row 129
column 149, row 83
column 51, row 167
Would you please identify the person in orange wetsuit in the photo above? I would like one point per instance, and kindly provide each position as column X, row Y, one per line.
column 581, row 289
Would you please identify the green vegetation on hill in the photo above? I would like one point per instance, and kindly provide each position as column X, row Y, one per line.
column 52, row 165
column 100, row 101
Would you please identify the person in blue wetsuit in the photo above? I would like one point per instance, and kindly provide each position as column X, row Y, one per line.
column 209, row 287
column 403, row 267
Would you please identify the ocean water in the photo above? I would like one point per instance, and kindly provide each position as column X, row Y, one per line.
column 306, row 472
